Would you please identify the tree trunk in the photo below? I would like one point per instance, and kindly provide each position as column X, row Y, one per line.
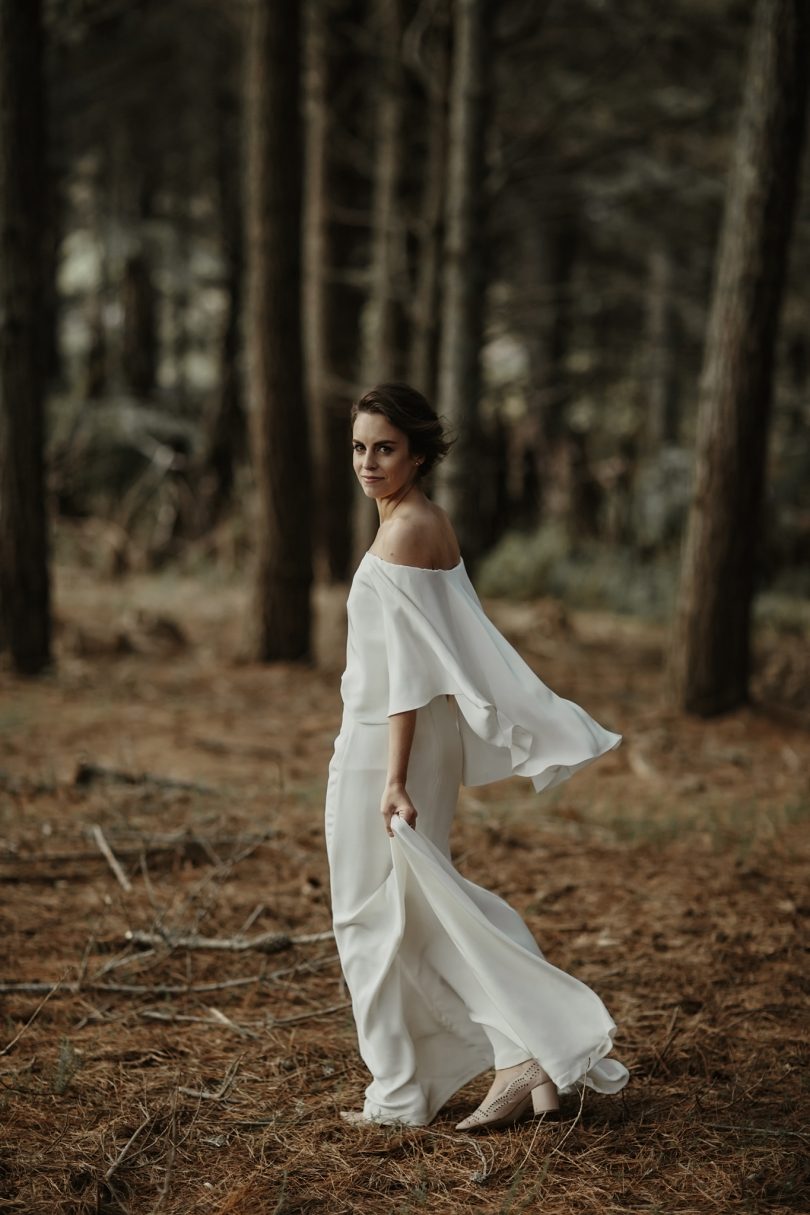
column 344, row 306
column 711, row 658
column 568, row 492
column 139, row 352
column 662, row 383
column 462, row 320
column 315, row 222
column 226, row 438
column 24, row 578
column 424, row 347
column 180, row 297
column 96, row 361
column 335, row 196
column 378, row 344
column 316, row 262
column 54, row 203
column 279, row 429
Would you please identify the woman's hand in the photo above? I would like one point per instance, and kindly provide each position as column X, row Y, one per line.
column 396, row 801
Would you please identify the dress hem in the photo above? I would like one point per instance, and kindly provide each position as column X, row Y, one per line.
column 445, row 1093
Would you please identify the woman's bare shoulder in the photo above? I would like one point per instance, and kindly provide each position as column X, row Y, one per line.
column 424, row 539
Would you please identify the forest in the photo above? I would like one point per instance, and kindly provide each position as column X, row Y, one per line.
column 582, row 229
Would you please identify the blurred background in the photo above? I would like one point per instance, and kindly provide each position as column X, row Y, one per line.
column 245, row 214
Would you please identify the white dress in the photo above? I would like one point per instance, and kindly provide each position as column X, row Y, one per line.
column 446, row 980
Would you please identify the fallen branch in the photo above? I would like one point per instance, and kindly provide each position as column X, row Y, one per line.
column 192, row 846
column 164, row 1189
column 216, row 1018
column 273, row 1022
column 119, row 1158
column 31, row 1019
column 303, row 968
column 132, row 989
column 759, row 1130
column 109, row 856
column 123, row 960
column 127, row 989
column 267, row 942
column 221, row 1019
column 217, row 1094
column 87, row 773
column 22, row 786
column 671, row 1033
column 248, row 751
column 251, row 920
column 212, row 880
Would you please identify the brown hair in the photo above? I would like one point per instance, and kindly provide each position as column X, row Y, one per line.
column 410, row 412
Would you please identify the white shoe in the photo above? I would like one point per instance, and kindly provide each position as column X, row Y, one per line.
column 531, row 1091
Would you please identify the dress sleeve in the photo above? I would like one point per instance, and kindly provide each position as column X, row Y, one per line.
column 439, row 641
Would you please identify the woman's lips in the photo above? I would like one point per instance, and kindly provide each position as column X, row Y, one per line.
column 369, row 480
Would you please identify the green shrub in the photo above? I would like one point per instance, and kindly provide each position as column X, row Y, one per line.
column 586, row 574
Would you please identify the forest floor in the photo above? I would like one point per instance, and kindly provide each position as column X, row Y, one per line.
column 143, row 1072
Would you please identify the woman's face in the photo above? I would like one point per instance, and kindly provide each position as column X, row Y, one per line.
column 382, row 457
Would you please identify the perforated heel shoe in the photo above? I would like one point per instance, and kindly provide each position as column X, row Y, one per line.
column 530, row 1092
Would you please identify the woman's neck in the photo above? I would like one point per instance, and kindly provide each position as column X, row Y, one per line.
column 387, row 506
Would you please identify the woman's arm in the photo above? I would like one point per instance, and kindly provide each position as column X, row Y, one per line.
column 395, row 800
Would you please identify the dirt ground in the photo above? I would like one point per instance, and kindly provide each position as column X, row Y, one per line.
column 144, row 1069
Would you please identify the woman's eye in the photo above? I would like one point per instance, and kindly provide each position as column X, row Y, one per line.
column 384, row 448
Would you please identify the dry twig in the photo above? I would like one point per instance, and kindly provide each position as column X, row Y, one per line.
column 217, row 1017
column 164, row 1189
column 308, row 1016
column 87, row 773
column 268, row 942
column 31, row 1019
column 220, row 1093
column 130, row 989
column 109, row 857
column 122, row 1154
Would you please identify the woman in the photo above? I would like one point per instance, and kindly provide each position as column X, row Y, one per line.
column 445, row 979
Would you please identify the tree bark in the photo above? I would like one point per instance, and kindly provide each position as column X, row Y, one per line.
column 226, row 437
column 377, row 352
column 711, row 656
column 139, row 354
column 346, row 249
column 54, row 203
column 377, row 357
column 315, row 229
column 662, row 393
column 335, row 244
column 279, row 428
column 464, row 272
column 344, row 305
column 424, row 346
column 24, row 577
column 180, row 297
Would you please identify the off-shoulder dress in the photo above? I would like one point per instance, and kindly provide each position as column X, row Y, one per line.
column 445, row 978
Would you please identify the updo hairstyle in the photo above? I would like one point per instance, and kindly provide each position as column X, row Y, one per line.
column 409, row 411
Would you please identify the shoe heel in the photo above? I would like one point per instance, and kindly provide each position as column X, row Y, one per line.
column 545, row 1099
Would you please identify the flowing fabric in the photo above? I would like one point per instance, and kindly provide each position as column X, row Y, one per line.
column 415, row 634
column 445, row 978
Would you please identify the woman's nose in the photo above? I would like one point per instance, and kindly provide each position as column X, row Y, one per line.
column 369, row 460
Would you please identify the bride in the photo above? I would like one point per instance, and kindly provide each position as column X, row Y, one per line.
column 446, row 980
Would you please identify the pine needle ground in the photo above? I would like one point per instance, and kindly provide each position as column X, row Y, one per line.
column 173, row 1077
